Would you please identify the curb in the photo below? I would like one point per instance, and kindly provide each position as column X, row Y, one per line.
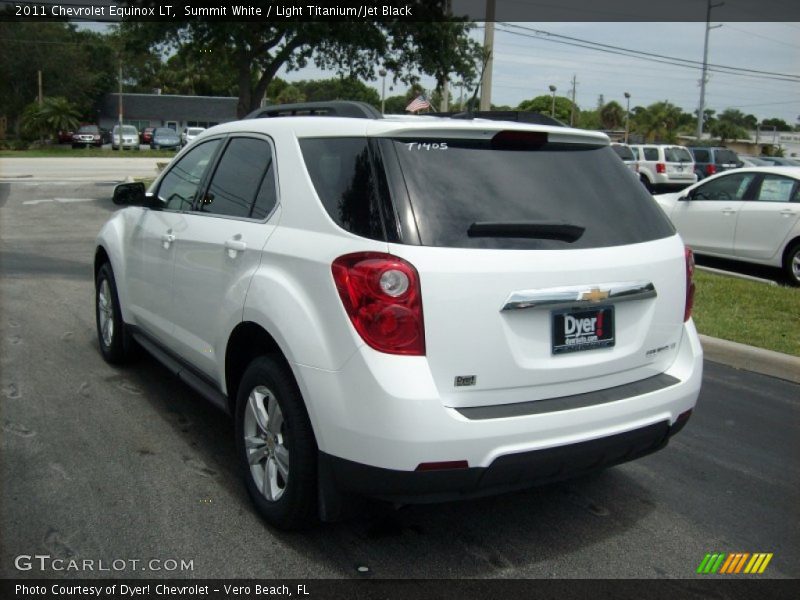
column 750, row 358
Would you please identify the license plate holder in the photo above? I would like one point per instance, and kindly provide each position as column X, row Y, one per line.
column 579, row 329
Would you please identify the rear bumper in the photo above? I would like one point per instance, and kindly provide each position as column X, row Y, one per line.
column 381, row 417
column 506, row 473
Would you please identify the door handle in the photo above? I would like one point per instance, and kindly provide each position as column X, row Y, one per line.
column 787, row 212
column 728, row 211
column 235, row 245
column 167, row 239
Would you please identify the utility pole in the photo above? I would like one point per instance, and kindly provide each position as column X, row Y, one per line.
column 702, row 107
column 445, row 106
column 572, row 111
column 627, row 115
column 382, row 73
column 119, row 129
column 39, row 77
column 488, row 45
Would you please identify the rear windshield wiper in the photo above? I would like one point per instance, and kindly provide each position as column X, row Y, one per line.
column 545, row 230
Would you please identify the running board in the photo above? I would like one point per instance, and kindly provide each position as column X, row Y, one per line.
column 185, row 372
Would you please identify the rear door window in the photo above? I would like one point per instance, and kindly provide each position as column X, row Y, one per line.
column 775, row 188
column 701, row 156
column 650, row 153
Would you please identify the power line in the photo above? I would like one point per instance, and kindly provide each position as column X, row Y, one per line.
column 644, row 55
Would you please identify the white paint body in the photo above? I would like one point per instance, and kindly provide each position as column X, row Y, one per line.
column 399, row 411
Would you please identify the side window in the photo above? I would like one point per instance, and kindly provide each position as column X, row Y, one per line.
column 729, row 187
column 343, row 178
column 702, row 156
column 775, row 188
column 650, row 153
column 267, row 196
column 178, row 188
column 233, row 187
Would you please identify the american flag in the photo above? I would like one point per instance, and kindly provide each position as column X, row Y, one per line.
column 418, row 103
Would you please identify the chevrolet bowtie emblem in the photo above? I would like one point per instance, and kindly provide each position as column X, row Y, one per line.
column 594, row 295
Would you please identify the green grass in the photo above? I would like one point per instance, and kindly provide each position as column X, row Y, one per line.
column 748, row 312
column 67, row 151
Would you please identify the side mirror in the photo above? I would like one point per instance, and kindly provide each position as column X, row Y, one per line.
column 132, row 194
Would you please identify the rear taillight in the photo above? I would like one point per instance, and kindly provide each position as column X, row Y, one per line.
column 687, row 311
column 381, row 295
column 661, row 168
column 711, row 169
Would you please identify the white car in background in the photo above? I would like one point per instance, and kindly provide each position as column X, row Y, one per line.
column 188, row 134
column 748, row 214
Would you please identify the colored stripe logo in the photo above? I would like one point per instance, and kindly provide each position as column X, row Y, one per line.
column 734, row 563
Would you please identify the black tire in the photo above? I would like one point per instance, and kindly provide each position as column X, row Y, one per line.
column 791, row 264
column 118, row 347
column 295, row 503
column 646, row 183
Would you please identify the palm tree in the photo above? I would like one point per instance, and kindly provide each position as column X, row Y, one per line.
column 612, row 115
column 60, row 114
column 53, row 114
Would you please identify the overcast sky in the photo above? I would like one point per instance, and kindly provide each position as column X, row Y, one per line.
column 524, row 67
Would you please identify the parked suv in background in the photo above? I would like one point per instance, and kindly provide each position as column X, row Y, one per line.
column 87, row 135
column 711, row 160
column 664, row 167
column 410, row 308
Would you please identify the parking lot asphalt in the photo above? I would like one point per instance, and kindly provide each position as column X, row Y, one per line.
column 103, row 463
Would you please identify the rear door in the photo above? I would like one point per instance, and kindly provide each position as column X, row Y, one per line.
column 220, row 249
column 545, row 269
column 766, row 219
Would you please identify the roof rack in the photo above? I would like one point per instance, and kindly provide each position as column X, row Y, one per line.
column 521, row 116
column 333, row 108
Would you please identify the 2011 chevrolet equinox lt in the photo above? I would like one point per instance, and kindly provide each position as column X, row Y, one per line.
column 408, row 308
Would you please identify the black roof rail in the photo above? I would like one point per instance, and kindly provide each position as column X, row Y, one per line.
column 333, row 108
column 521, row 116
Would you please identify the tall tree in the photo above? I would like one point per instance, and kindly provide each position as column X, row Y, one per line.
column 543, row 105
column 255, row 51
column 612, row 115
column 77, row 65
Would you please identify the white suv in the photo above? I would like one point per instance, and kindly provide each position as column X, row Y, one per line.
column 410, row 308
column 665, row 167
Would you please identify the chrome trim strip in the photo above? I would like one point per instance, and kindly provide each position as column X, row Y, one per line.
column 580, row 295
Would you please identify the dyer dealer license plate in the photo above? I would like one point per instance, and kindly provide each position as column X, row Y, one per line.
column 584, row 329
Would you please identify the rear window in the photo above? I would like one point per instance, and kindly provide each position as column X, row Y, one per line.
column 453, row 183
column 677, row 154
column 89, row 129
column 624, row 152
column 164, row 131
column 723, row 157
